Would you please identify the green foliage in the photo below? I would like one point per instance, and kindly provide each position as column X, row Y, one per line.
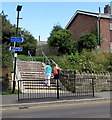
column 30, row 43
column 86, row 61
column 24, row 57
column 27, row 58
column 62, row 61
column 103, row 61
column 51, row 40
column 87, row 41
column 9, row 92
column 61, row 38
column 9, row 30
column 7, row 60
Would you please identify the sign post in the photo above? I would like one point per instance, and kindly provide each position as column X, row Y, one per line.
column 15, row 39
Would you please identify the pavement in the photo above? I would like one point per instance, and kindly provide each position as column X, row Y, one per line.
column 12, row 100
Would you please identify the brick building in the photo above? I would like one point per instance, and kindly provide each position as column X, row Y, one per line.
column 85, row 22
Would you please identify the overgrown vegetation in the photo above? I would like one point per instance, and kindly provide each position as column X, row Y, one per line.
column 62, row 38
column 86, row 61
column 87, row 41
column 82, row 54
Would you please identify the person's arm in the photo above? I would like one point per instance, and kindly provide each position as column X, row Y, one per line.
column 44, row 68
column 59, row 68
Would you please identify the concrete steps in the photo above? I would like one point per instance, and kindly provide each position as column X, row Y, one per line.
column 31, row 70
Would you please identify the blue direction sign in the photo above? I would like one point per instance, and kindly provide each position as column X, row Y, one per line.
column 16, row 48
column 16, row 39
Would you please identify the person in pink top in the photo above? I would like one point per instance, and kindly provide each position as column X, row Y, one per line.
column 56, row 72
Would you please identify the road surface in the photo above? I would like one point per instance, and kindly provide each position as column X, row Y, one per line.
column 95, row 109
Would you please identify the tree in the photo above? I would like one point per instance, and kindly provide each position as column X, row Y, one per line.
column 87, row 41
column 61, row 38
column 51, row 40
column 9, row 30
column 7, row 57
column 30, row 43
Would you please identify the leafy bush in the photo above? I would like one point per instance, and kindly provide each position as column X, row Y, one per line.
column 87, row 41
column 7, row 58
column 86, row 61
column 61, row 38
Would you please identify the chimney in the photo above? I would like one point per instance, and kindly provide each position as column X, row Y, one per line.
column 107, row 9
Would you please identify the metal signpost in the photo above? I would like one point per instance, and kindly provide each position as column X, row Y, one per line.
column 16, row 39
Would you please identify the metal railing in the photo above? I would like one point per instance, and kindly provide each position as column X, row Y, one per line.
column 45, row 59
column 67, row 88
column 29, row 54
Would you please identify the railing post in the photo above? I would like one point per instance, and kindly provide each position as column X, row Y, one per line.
column 93, row 86
column 18, row 90
column 57, row 90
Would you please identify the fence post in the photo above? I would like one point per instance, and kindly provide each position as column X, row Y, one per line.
column 57, row 90
column 93, row 86
column 18, row 90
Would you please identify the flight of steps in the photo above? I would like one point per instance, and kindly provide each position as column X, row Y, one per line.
column 30, row 72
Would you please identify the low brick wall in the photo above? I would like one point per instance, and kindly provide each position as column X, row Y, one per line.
column 102, row 82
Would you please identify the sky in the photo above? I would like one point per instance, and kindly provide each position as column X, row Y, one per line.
column 40, row 17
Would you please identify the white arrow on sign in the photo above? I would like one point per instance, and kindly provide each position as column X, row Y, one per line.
column 16, row 48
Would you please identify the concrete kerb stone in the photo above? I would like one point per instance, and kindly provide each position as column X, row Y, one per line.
column 54, row 102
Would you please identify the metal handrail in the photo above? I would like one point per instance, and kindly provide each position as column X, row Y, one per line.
column 53, row 63
column 43, row 54
column 29, row 54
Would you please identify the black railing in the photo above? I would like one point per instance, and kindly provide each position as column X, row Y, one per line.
column 34, row 89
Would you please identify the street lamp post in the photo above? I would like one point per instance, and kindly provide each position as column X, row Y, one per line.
column 15, row 54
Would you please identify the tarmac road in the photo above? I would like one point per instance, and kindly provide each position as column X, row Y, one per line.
column 93, row 109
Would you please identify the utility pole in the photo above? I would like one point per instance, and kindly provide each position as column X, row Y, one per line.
column 99, row 28
column 111, row 25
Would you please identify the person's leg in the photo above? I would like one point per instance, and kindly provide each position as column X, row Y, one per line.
column 49, row 76
column 46, row 79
